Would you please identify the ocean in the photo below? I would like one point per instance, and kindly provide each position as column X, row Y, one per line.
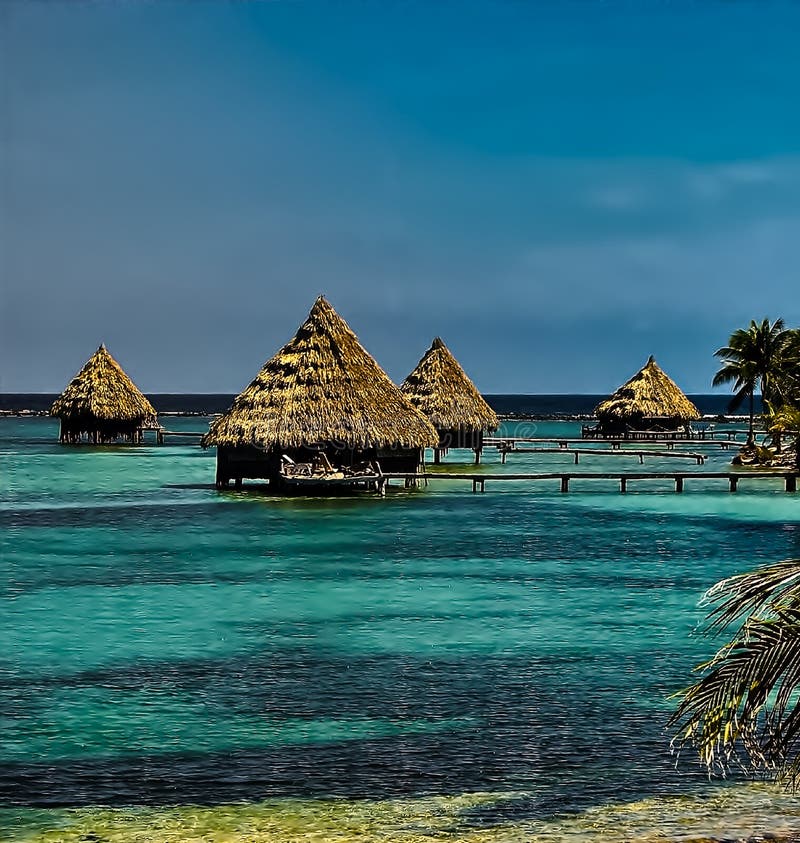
column 180, row 663
column 514, row 405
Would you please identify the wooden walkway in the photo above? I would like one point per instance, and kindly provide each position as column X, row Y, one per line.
column 592, row 434
column 180, row 434
column 501, row 442
column 605, row 452
column 676, row 478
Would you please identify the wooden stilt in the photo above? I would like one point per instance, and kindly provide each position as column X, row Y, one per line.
column 734, row 483
column 791, row 482
column 565, row 483
column 623, row 484
column 679, row 484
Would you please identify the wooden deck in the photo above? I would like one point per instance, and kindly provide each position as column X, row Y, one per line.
column 500, row 442
column 677, row 479
column 593, row 433
column 605, row 452
column 197, row 435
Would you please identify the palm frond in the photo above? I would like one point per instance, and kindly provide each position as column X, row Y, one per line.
column 733, row 715
column 745, row 708
column 752, row 592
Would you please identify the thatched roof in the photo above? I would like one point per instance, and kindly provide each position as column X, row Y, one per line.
column 650, row 393
column 102, row 391
column 322, row 387
column 440, row 388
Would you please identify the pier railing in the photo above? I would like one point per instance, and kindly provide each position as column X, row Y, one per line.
column 677, row 479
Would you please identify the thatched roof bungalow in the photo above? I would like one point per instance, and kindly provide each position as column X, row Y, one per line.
column 322, row 392
column 442, row 390
column 102, row 404
column 649, row 401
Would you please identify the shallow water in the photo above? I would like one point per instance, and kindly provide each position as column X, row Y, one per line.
column 468, row 663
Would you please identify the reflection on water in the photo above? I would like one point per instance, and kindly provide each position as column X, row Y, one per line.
column 397, row 666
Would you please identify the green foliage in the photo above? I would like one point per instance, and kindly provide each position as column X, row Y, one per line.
column 745, row 709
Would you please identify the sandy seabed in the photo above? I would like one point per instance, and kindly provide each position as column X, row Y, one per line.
column 748, row 812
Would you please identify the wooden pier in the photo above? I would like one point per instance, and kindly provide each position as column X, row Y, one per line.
column 604, row 452
column 678, row 479
column 709, row 434
column 161, row 434
column 500, row 442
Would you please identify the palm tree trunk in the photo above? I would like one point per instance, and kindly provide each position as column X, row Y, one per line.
column 750, row 436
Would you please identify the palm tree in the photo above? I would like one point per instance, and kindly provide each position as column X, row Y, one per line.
column 789, row 376
column 754, row 357
column 745, row 710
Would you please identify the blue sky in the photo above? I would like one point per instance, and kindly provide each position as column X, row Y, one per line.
column 557, row 189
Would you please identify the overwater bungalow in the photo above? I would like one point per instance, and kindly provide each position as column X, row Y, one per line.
column 322, row 403
column 442, row 390
column 101, row 404
column 647, row 406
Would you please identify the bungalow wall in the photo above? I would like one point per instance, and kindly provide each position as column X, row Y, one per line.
column 460, row 437
column 252, row 463
column 94, row 432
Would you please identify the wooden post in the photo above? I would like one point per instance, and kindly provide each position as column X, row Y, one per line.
column 474, row 485
column 734, row 482
column 576, row 457
column 503, row 453
column 679, row 484
column 791, row 482
column 623, row 484
column 565, row 483
column 641, row 459
column 477, row 456
column 437, row 456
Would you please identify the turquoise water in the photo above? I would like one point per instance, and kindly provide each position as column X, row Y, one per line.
column 166, row 644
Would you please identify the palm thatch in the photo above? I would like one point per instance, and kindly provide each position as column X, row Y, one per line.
column 322, row 389
column 441, row 389
column 102, row 402
column 649, row 394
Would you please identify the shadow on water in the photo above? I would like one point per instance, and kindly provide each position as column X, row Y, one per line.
column 377, row 769
column 603, row 750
